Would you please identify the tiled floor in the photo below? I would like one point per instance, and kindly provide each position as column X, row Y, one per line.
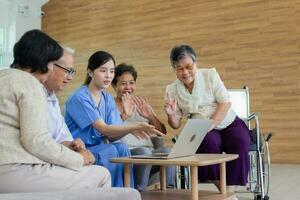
column 284, row 184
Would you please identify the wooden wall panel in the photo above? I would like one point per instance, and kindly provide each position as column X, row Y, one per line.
column 250, row 42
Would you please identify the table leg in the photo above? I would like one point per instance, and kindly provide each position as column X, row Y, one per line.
column 194, row 181
column 163, row 177
column 127, row 174
column 223, row 178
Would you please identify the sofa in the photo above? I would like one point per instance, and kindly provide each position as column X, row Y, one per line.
column 82, row 194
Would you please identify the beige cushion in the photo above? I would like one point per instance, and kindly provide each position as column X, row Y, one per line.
column 95, row 194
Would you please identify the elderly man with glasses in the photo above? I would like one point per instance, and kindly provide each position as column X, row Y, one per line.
column 62, row 74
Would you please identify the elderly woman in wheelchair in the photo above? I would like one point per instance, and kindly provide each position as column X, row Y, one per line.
column 200, row 93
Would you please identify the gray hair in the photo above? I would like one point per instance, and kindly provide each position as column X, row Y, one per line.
column 68, row 49
column 179, row 52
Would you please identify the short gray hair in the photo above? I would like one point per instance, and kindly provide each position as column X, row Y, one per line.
column 179, row 52
column 68, row 49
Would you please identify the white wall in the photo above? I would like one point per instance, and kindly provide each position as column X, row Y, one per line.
column 17, row 17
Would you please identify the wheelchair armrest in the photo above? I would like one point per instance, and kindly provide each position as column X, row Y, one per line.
column 254, row 116
column 255, row 136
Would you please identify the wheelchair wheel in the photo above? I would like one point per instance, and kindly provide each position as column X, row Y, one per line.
column 259, row 175
column 258, row 197
column 264, row 178
column 266, row 168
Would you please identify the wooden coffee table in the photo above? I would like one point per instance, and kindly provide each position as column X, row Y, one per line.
column 193, row 162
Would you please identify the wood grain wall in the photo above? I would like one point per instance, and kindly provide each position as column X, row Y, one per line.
column 250, row 42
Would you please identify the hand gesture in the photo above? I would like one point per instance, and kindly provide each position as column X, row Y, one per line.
column 143, row 107
column 141, row 135
column 145, row 130
column 77, row 145
column 88, row 157
column 128, row 104
column 170, row 106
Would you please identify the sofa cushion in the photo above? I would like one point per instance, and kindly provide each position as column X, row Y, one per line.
column 82, row 194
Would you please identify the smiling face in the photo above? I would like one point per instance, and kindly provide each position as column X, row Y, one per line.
column 103, row 75
column 125, row 84
column 185, row 70
column 59, row 78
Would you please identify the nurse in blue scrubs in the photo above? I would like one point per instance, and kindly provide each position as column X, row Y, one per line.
column 92, row 116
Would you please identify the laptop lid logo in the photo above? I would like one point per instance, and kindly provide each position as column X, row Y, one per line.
column 192, row 138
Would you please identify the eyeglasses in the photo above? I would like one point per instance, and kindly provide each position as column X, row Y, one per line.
column 188, row 67
column 70, row 71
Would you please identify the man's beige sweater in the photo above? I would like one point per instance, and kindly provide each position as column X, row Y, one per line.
column 24, row 134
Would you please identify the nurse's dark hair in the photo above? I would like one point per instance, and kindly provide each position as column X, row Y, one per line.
column 35, row 50
column 96, row 60
column 121, row 69
column 181, row 51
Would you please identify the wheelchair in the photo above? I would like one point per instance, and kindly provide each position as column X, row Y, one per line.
column 259, row 152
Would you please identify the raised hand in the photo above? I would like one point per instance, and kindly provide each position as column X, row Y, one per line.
column 170, row 106
column 143, row 107
column 128, row 105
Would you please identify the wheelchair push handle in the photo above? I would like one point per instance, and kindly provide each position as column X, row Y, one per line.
column 268, row 137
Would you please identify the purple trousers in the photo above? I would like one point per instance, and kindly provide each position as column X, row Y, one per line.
column 234, row 139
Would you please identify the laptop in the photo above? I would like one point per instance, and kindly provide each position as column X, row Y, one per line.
column 187, row 143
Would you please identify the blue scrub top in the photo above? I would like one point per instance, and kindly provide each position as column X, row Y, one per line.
column 81, row 113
